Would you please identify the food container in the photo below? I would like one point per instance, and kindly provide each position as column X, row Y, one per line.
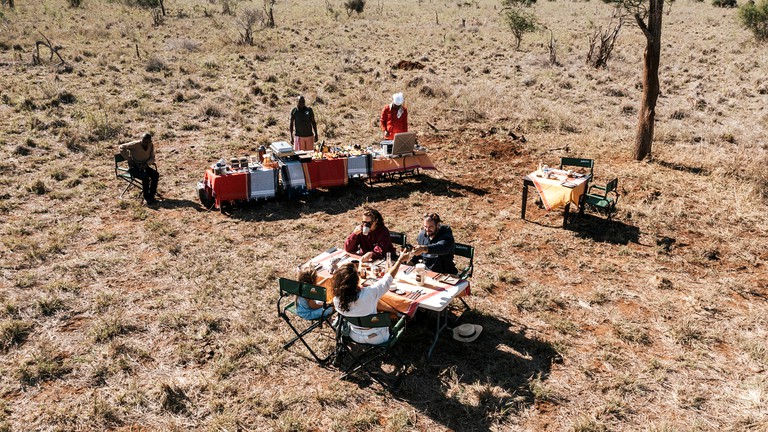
column 420, row 273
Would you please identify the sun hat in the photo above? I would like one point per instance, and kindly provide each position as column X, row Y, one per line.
column 397, row 98
column 467, row 332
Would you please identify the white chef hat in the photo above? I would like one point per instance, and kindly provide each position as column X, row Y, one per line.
column 397, row 98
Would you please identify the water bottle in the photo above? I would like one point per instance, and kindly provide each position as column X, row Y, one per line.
column 389, row 260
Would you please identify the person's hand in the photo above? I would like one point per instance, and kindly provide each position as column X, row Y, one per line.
column 418, row 250
column 358, row 230
column 367, row 257
column 405, row 257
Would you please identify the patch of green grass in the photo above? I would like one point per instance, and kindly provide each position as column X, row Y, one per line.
column 631, row 332
column 108, row 328
column 50, row 305
column 536, row 298
column 45, row 365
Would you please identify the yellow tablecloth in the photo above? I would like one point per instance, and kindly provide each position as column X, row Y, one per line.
column 553, row 194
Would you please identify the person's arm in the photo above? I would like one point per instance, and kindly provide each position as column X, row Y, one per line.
column 405, row 119
column 383, row 284
column 125, row 149
column 293, row 119
column 353, row 241
column 314, row 123
column 151, row 160
column 443, row 244
column 384, row 117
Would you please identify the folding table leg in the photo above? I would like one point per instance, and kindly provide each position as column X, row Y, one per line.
column 442, row 317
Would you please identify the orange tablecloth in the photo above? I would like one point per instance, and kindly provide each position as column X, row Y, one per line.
column 402, row 163
column 553, row 194
column 390, row 302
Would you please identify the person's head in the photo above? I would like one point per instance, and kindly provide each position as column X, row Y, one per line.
column 372, row 218
column 345, row 285
column 397, row 99
column 146, row 139
column 308, row 275
column 431, row 223
column 301, row 102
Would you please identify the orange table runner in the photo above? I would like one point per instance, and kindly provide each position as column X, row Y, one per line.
column 228, row 187
column 553, row 194
column 325, row 173
column 402, row 163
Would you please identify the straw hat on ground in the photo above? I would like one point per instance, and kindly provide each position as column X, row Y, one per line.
column 467, row 332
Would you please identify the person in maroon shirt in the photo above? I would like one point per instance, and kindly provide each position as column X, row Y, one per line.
column 371, row 238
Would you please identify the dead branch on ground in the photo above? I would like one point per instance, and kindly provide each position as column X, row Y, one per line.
column 47, row 43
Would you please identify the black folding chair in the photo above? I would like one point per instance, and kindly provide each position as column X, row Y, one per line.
column 361, row 356
column 290, row 288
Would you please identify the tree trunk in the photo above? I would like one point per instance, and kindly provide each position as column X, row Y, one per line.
column 652, row 31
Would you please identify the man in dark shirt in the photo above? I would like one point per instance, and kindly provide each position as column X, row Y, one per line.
column 436, row 245
column 140, row 156
column 303, row 121
column 371, row 238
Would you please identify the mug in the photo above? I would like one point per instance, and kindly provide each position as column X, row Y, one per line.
column 366, row 229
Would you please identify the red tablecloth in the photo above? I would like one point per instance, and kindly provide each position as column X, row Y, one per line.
column 228, row 187
column 325, row 173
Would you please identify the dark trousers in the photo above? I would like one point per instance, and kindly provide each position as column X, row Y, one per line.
column 149, row 177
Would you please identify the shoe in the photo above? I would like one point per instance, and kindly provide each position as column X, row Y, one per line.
column 151, row 201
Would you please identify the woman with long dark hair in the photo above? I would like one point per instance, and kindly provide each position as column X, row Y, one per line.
column 350, row 299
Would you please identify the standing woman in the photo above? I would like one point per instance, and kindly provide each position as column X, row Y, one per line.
column 351, row 300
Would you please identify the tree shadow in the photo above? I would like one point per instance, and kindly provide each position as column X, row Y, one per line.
column 342, row 199
column 496, row 372
column 601, row 230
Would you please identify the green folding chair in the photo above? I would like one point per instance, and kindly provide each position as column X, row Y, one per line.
column 360, row 357
column 468, row 252
column 577, row 162
column 604, row 200
column 290, row 288
column 398, row 238
column 122, row 173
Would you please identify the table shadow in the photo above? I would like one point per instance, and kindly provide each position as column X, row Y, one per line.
column 599, row 229
column 497, row 372
column 342, row 199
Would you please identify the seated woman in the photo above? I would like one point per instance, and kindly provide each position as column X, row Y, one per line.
column 371, row 238
column 310, row 309
column 354, row 301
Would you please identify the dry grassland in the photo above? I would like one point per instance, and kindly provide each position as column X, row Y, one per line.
column 118, row 316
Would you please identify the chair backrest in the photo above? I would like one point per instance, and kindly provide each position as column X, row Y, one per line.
column 119, row 158
column 466, row 251
column 302, row 289
column 611, row 186
column 398, row 238
column 578, row 162
column 381, row 319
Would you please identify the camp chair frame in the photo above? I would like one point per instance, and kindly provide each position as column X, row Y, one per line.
column 398, row 238
column 122, row 173
column 578, row 162
column 605, row 202
column 290, row 288
column 466, row 251
column 368, row 353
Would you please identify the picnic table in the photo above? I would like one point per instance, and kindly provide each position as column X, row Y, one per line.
column 558, row 189
column 435, row 294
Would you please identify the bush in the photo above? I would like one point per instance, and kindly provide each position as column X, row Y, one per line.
column 354, row 6
column 520, row 22
column 755, row 18
column 724, row 3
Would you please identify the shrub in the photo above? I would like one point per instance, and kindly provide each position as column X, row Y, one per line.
column 755, row 18
column 520, row 22
column 354, row 6
column 724, row 3
column 155, row 64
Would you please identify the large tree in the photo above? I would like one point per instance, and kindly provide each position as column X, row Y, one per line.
column 648, row 15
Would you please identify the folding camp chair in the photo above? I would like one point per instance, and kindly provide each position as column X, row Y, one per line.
column 122, row 173
column 361, row 356
column 605, row 202
column 578, row 162
column 398, row 238
column 290, row 288
column 465, row 251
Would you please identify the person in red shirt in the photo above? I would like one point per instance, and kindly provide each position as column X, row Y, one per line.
column 394, row 117
column 371, row 238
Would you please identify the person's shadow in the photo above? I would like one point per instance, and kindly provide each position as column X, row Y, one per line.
column 500, row 372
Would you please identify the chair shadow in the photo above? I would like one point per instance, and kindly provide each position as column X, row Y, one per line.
column 342, row 199
column 684, row 168
column 599, row 229
column 497, row 371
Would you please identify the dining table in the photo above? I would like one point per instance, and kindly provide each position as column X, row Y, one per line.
column 406, row 296
column 557, row 188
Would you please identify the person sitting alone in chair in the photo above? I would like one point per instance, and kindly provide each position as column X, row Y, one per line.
column 140, row 155
column 436, row 245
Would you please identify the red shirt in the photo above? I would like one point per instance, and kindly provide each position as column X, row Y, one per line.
column 377, row 241
column 391, row 123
